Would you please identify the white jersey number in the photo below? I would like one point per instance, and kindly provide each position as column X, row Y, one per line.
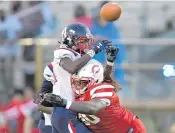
column 88, row 119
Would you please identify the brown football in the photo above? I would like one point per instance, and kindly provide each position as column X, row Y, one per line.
column 111, row 11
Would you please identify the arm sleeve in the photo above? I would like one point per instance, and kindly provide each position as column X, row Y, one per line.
column 48, row 73
column 47, row 85
column 70, row 60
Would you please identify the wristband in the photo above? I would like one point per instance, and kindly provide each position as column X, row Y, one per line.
column 69, row 103
column 110, row 63
column 91, row 53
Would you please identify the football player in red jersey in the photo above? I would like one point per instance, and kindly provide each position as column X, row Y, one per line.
column 97, row 103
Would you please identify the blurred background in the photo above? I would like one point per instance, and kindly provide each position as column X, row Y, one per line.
column 145, row 32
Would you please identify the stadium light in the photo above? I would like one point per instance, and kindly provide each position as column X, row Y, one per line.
column 169, row 70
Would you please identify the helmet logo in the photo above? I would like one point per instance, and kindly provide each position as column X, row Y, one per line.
column 88, row 31
column 64, row 32
column 95, row 69
column 88, row 34
column 72, row 31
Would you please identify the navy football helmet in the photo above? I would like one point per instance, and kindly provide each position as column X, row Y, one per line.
column 77, row 37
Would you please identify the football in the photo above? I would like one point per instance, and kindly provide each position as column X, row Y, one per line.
column 111, row 11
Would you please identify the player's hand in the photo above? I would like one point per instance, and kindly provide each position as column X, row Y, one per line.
column 112, row 53
column 99, row 46
column 38, row 98
column 55, row 100
column 106, row 44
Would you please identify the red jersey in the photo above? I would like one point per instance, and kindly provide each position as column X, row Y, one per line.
column 4, row 129
column 13, row 112
column 112, row 119
column 18, row 110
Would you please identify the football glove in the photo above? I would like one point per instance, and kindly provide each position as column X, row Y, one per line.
column 106, row 44
column 55, row 100
column 112, row 53
column 98, row 47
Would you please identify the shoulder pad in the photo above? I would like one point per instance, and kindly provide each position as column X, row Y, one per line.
column 64, row 52
column 48, row 73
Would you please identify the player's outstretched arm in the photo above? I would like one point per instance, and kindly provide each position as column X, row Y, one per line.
column 111, row 53
column 87, row 107
column 73, row 66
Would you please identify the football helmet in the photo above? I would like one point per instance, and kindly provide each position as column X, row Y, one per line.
column 77, row 37
column 89, row 75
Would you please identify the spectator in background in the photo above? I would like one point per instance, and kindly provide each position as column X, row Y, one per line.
column 3, row 35
column 4, row 128
column 81, row 16
column 20, row 110
column 16, row 7
column 18, row 96
column 28, row 93
column 3, row 27
column 27, row 104
column 32, row 115
column 13, row 114
column 14, row 27
column 49, row 19
column 9, row 26
column 2, row 16
column 102, row 29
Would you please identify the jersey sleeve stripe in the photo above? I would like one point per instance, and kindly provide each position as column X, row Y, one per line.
column 100, row 87
column 71, row 127
column 102, row 94
column 104, row 90
column 50, row 67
